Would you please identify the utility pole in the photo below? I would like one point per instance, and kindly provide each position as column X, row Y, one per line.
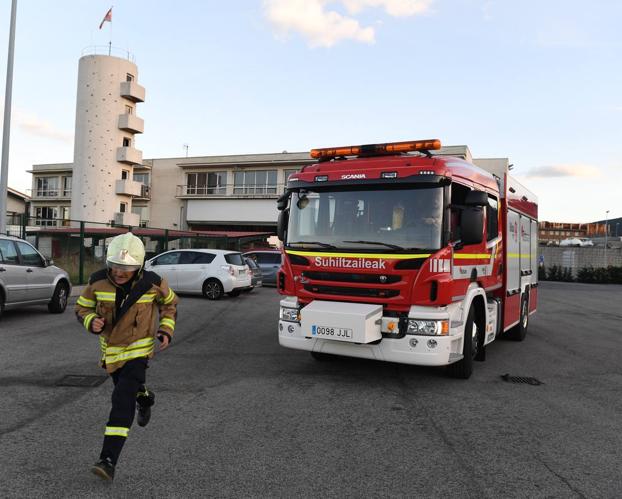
column 606, row 234
column 4, row 167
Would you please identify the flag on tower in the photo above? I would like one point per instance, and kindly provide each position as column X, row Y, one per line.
column 107, row 17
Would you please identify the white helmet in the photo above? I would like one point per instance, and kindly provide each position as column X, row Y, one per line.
column 126, row 252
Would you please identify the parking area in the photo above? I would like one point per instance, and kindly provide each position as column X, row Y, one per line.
column 236, row 415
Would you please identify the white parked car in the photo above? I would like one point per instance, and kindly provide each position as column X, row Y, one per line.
column 209, row 272
column 576, row 241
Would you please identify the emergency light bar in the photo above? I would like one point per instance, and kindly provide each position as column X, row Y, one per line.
column 376, row 149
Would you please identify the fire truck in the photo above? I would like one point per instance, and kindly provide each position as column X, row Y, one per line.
column 398, row 253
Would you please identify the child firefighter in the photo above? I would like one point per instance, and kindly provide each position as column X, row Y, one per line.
column 128, row 308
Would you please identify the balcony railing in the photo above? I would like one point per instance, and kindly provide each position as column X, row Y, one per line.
column 231, row 190
column 49, row 193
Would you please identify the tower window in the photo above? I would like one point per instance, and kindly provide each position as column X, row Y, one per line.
column 129, row 77
column 127, row 142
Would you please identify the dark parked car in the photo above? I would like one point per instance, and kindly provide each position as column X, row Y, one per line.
column 269, row 262
column 255, row 272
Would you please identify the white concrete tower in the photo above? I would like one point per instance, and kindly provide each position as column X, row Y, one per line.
column 104, row 148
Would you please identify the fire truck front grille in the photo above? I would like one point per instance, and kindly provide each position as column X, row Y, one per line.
column 339, row 290
column 357, row 278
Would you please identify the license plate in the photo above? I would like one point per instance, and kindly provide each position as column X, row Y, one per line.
column 329, row 332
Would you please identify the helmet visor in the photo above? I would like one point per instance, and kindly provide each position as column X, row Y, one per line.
column 123, row 268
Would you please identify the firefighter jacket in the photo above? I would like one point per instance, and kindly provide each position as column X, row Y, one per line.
column 129, row 331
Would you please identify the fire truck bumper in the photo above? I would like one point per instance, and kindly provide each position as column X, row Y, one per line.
column 411, row 349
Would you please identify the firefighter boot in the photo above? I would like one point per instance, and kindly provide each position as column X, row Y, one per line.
column 144, row 400
column 104, row 469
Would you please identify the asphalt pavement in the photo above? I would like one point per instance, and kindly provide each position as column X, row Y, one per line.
column 237, row 415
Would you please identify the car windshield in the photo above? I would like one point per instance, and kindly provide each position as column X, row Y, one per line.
column 381, row 220
column 234, row 259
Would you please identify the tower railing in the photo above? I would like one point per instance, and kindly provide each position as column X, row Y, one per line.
column 109, row 50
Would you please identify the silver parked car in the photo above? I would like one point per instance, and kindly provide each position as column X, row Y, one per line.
column 28, row 278
column 210, row 272
column 269, row 262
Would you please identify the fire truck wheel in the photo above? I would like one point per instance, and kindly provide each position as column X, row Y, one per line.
column 212, row 289
column 464, row 368
column 518, row 332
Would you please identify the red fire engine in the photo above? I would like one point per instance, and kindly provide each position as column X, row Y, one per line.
column 397, row 254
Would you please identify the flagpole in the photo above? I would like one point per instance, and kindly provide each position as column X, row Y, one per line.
column 110, row 34
column 8, row 93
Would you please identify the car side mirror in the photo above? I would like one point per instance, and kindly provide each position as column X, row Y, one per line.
column 472, row 225
column 49, row 262
column 281, row 225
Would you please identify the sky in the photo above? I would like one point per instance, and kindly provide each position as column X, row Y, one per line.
column 536, row 81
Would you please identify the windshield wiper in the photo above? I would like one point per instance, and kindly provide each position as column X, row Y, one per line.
column 318, row 243
column 392, row 246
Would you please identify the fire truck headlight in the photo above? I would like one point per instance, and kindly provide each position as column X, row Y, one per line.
column 290, row 314
column 427, row 328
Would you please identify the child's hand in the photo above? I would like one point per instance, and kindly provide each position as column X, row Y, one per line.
column 97, row 326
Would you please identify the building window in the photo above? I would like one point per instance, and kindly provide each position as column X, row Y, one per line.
column 206, row 183
column 127, row 142
column 47, row 186
column 143, row 178
column 254, row 182
column 46, row 216
column 129, row 110
column 125, row 174
column 129, row 77
column 123, row 207
column 66, row 186
column 143, row 215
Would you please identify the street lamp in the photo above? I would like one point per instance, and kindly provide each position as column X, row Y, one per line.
column 606, row 233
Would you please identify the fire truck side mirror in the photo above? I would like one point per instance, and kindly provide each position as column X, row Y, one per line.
column 476, row 198
column 472, row 225
column 281, row 224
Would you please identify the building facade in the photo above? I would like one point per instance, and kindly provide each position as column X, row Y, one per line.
column 229, row 193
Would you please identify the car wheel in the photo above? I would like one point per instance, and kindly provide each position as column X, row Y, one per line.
column 234, row 293
column 518, row 332
column 58, row 303
column 212, row 289
column 464, row 367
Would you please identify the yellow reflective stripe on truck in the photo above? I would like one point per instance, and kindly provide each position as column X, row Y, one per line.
column 388, row 256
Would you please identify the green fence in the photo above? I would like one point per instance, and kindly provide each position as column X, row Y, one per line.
column 79, row 246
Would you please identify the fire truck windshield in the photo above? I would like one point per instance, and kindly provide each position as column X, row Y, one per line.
column 380, row 220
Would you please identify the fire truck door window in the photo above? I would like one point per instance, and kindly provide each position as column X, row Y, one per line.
column 458, row 196
column 492, row 218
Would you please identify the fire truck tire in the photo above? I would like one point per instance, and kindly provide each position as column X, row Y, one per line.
column 464, row 368
column 518, row 332
column 212, row 289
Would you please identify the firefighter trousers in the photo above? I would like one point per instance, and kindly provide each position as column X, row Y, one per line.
column 129, row 389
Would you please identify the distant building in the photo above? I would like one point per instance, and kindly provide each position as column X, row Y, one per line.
column 556, row 231
column 17, row 203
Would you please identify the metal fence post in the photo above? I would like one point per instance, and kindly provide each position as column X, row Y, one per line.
column 165, row 240
column 81, row 273
column 24, row 220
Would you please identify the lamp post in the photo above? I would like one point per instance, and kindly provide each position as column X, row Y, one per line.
column 606, row 233
column 8, row 93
